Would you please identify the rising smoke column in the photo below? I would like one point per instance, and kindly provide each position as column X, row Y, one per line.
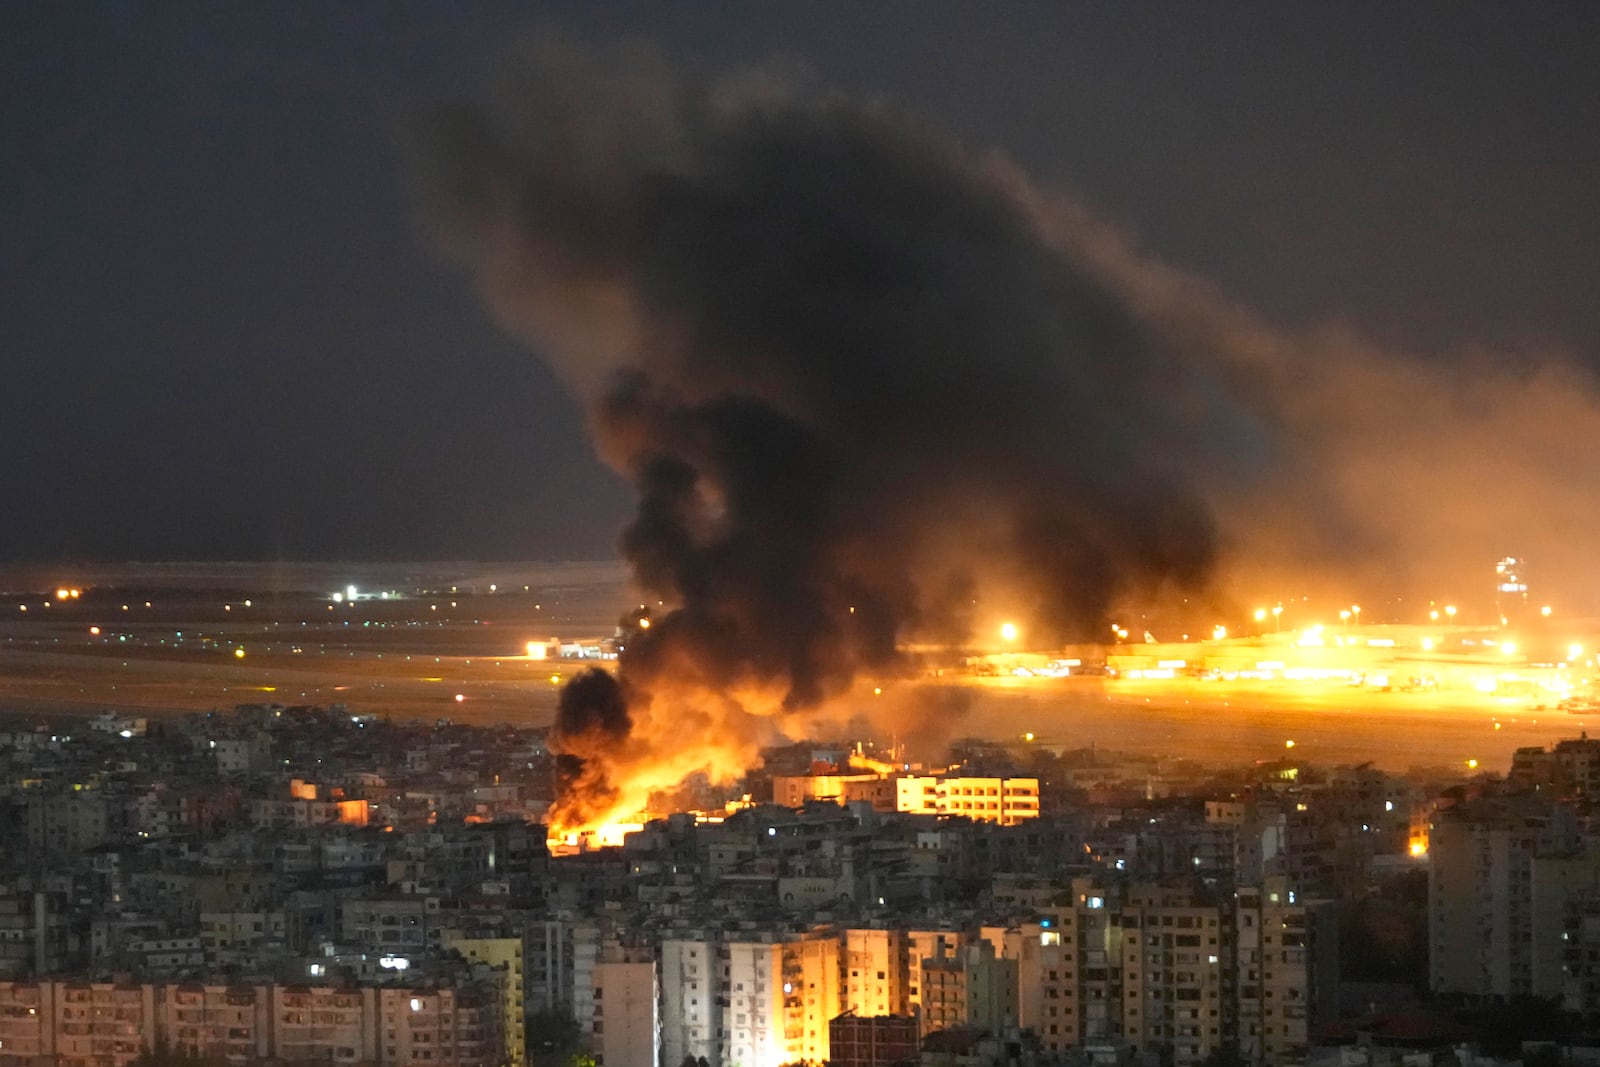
column 856, row 382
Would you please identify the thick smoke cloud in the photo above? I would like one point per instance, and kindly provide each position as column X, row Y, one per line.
column 872, row 389
column 856, row 386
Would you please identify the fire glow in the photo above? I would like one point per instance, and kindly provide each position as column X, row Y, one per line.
column 999, row 401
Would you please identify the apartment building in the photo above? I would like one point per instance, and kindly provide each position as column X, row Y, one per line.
column 504, row 955
column 973, row 989
column 780, row 997
column 627, row 1031
column 1172, row 975
column 1286, row 970
column 1481, row 928
column 102, row 1024
column 875, row 973
column 691, row 1020
column 1007, row 801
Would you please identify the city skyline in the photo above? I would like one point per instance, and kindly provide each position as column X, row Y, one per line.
column 829, row 535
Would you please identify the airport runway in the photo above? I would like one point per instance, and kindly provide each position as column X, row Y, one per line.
column 412, row 658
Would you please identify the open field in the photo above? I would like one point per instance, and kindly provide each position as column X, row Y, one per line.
column 175, row 638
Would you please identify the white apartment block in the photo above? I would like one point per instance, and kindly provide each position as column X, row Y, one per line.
column 691, row 1021
column 780, row 998
column 753, row 1020
column 875, row 974
column 1007, row 801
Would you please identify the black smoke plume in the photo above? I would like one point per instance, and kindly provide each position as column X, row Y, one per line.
column 863, row 396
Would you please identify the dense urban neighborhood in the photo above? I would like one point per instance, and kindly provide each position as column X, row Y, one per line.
column 303, row 885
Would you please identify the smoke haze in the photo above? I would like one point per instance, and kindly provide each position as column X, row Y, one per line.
column 872, row 389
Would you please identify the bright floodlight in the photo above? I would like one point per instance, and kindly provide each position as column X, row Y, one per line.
column 1008, row 631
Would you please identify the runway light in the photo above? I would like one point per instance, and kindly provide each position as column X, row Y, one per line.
column 238, row 653
column 1473, row 764
column 95, row 630
column 460, row 697
column 1288, row 744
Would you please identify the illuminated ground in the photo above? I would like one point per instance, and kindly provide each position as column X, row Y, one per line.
column 1240, row 722
column 410, row 658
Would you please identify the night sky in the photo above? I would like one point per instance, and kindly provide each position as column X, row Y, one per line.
column 225, row 333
